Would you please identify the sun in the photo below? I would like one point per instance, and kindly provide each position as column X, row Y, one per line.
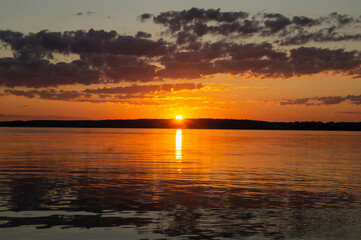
column 179, row 117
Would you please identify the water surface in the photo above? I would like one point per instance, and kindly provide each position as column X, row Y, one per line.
column 58, row 183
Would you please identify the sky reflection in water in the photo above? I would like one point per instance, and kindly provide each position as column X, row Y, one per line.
column 165, row 183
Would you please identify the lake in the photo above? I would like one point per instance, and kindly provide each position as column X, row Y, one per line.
column 82, row 183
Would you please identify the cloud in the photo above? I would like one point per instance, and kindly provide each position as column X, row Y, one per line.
column 41, row 73
column 305, row 21
column 354, row 99
column 318, row 101
column 261, row 60
column 145, row 16
column 315, row 60
column 50, row 94
column 143, row 89
column 99, row 94
column 323, row 35
column 176, row 20
column 141, row 34
column 89, row 70
column 350, row 112
column 106, row 57
column 85, row 13
column 82, row 42
column 275, row 22
column 11, row 117
column 342, row 19
column 330, row 100
column 119, row 68
column 298, row 30
column 297, row 101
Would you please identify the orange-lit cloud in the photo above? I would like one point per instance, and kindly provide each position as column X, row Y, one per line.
column 133, row 91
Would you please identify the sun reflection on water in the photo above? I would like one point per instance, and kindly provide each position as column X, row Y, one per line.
column 178, row 145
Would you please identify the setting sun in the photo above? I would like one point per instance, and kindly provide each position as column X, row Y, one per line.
column 179, row 117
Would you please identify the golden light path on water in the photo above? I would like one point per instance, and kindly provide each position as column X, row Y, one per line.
column 178, row 145
column 178, row 148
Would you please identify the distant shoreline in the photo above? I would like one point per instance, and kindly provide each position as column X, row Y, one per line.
column 201, row 123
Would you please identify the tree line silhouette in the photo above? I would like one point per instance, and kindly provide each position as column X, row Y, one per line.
column 203, row 123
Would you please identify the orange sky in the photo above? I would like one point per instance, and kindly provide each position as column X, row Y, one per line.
column 198, row 63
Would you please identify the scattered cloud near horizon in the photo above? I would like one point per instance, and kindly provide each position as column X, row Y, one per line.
column 318, row 101
column 102, row 94
column 350, row 112
column 4, row 117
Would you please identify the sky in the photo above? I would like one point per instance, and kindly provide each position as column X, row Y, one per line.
column 272, row 60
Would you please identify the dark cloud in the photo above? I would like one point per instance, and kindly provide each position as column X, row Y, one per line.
column 98, row 42
column 298, row 30
column 257, row 59
column 175, row 20
column 141, row 34
column 330, row 100
column 196, row 21
column 186, row 37
column 341, row 19
column 82, row 42
column 220, row 57
column 317, row 101
column 28, row 94
column 145, row 16
column 244, row 28
column 323, row 35
column 304, row 21
column 85, row 13
column 50, row 94
column 191, row 64
column 315, row 60
column 119, row 68
column 261, row 60
column 91, row 69
column 42, row 73
column 275, row 22
column 354, row 99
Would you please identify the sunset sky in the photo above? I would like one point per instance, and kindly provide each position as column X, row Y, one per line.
column 273, row 60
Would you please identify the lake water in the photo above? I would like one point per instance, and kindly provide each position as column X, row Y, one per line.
column 64, row 183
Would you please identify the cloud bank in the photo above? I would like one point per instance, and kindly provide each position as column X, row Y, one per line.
column 103, row 94
column 288, row 30
column 317, row 101
column 195, row 43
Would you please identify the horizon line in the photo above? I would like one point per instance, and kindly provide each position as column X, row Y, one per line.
column 184, row 119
